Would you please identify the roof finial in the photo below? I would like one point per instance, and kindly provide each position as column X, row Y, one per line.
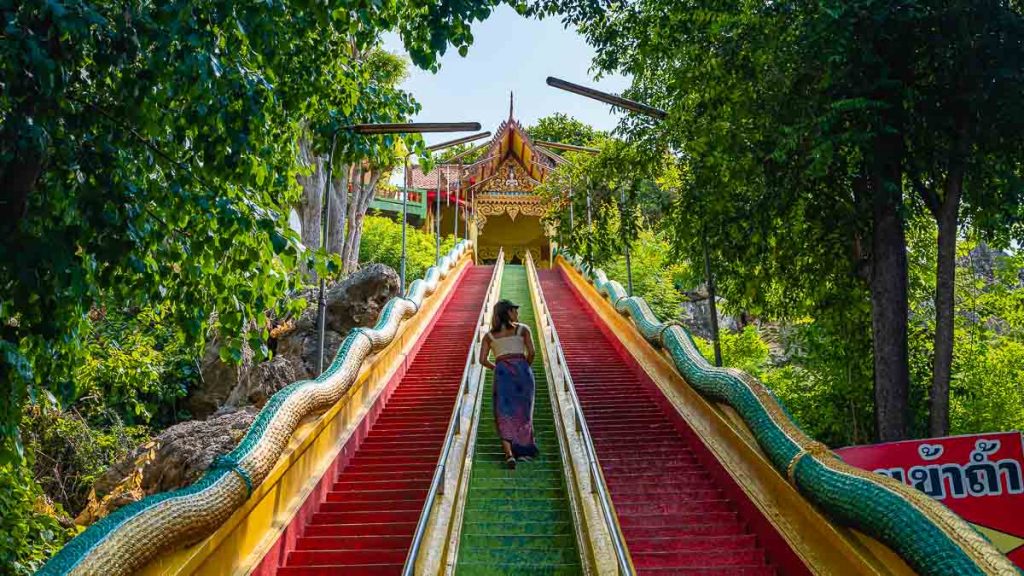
column 511, row 96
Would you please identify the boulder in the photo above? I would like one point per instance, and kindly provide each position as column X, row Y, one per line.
column 695, row 315
column 176, row 458
column 356, row 301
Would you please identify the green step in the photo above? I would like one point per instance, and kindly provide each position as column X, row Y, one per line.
column 515, row 492
column 552, row 554
column 516, row 527
column 518, row 541
column 488, row 503
column 518, row 521
column 529, row 569
column 499, row 478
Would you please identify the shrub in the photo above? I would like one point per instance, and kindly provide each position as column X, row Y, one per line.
column 655, row 273
column 29, row 530
column 382, row 243
column 136, row 367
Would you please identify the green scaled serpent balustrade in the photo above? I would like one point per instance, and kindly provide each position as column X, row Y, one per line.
column 128, row 539
column 927, row 535
column 518, row 522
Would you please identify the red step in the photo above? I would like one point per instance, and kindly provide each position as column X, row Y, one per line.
column 673, row 515
column 365, row 523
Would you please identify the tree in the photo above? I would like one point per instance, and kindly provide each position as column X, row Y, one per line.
column 149, row 153
column 794, row 131
column 965, row 139
column 466, row 153
column 564, row 129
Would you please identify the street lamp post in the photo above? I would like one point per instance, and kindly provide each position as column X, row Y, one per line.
column 364, row 129
column 437, row 224
column 625, row 238
column 405, row 219
column 657, row 114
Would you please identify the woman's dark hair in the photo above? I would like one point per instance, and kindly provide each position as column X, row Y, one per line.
column 502, row 315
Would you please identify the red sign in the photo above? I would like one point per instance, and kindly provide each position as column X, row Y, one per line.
column 978, row 477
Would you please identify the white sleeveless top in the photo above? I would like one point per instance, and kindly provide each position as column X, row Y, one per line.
column 508, row 344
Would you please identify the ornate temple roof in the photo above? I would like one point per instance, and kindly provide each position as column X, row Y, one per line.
column 512, row 141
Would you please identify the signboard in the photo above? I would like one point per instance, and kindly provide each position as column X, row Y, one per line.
column 979, row 477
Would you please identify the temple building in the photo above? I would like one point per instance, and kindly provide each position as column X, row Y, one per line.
column 493, row 195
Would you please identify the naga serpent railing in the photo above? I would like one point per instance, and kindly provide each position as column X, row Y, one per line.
column 927, row 535
column 125, row 541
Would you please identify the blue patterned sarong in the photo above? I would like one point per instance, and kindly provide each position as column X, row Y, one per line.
column 513, row 403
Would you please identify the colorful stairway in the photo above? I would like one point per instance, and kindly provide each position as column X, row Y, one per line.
column 674, row 516
column 367, row 522
column 518, row 522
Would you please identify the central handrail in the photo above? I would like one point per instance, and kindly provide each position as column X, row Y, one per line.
column 437, row 483
column 597, row 482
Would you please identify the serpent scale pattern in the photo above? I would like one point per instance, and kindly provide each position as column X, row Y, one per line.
column 928, row 536
column 126, row 540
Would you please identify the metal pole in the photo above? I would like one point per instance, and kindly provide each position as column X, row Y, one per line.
column 405, row 212
column 325, row 228
column 625, row 239
column 572, row 222
column 713, row 310
column 590, row 234
column 437, row 216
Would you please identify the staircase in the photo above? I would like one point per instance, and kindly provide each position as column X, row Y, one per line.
column 518, row 521
column 366, row 523
column 674, row 517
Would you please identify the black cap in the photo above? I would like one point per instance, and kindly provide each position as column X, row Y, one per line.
column 507, row 304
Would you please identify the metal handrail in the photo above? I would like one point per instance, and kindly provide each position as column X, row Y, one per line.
column 437, row 483
column 597, row 482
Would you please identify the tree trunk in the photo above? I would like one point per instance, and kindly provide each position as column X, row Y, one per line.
column 888, row 285
column 361, row 198
column 945, row 292
column 353, row 219
column 312, row 191
column 339, row 201
column 371, row 190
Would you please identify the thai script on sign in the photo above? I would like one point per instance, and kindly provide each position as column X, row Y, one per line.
column 980, row 476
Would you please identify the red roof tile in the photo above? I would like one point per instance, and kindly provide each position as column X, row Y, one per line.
column 428, row 181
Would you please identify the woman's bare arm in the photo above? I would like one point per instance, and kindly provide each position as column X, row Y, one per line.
column 528, row 342
column 485, row 351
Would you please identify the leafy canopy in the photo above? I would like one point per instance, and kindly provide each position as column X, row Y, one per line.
column 148, row 153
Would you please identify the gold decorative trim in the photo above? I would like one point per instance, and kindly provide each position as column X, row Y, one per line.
column 510, row 177
column 511, row 205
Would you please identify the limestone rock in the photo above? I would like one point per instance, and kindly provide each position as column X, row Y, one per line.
column 356, row 301
column 174, row 459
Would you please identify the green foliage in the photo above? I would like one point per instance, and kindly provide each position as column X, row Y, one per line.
column 985, row 392
column 29, row 533
column 69, row 454
column 135, row 366
column 564, row 129
column 624, row 189
column 743, row 349
column 148, row 155
column 382, row 243
column 465, row 157
column 656, row 275
column 800, row 130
